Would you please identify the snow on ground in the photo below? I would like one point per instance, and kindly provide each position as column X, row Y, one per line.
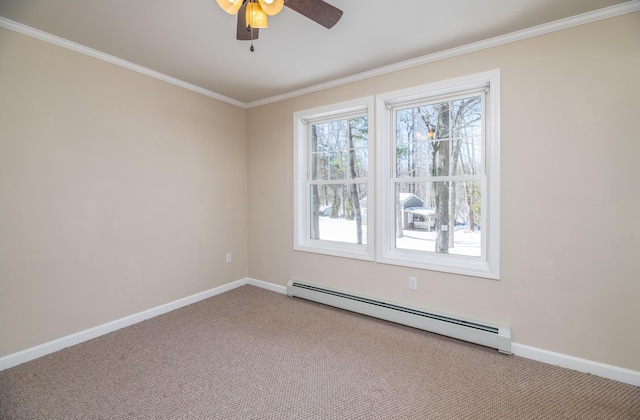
column 341, row 230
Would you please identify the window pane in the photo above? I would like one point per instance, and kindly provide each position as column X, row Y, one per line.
column 423, row 159
column 422, row 141
column 361, row 162
column 339, row 212
column 466, row 117
column 442, row 217
column 329, row 135
column 467, row 136
column 319, row 166
column 415, row 159
column 339, row 149
column 337, row 165
column 467, row 155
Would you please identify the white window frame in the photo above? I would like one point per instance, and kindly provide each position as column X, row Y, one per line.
column 488, row 265
column 302, row 121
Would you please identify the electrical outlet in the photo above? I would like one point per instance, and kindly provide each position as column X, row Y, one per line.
column 413, row 283
column 228, row 259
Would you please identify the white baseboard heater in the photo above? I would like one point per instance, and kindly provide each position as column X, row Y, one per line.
column 474, row 332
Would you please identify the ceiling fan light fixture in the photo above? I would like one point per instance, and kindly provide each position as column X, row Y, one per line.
column 230, row 6
column 271, row 7
column 256, row 17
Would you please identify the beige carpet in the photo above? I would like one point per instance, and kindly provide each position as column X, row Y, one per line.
column 255, row 354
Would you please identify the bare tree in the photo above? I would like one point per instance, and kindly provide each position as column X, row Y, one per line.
column 315, row 211
column 353, row 187
column 440, row 166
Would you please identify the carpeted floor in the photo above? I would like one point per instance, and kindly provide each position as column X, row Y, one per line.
column 255, row 354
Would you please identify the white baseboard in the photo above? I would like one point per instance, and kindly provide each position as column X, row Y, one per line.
column 268, row 286
column 627, row 376
column 582, row 365
column 32, row 353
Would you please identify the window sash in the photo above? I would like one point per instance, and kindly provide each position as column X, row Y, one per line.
column 393, row 110
column 487, row 265
column 304, row 180
column 396, row 180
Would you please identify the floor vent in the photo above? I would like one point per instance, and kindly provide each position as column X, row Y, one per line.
column 486, row 335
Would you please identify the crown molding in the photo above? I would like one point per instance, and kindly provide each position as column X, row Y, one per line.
column 558, row 25
column 61, row 42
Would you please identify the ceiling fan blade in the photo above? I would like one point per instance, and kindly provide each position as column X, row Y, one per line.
column 242, row 32
column 318, row 11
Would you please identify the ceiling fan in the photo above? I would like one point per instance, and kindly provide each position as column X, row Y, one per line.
column 252, row 14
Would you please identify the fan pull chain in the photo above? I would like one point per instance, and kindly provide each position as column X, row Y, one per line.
column 251, row 47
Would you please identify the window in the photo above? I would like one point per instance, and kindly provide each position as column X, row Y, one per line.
column 333, row 160
column 435, row 201
column 439, row 176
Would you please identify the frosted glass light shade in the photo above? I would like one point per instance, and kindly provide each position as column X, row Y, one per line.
column 271, row 7
column 256, row 18
column 230, row 6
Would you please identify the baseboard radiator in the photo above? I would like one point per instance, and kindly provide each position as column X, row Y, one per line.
column 485, row 335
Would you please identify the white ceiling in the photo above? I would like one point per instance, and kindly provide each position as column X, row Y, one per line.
column 194, row 40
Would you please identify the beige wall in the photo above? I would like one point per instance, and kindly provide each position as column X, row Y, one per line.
column 570, row 196
column 118, row 192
